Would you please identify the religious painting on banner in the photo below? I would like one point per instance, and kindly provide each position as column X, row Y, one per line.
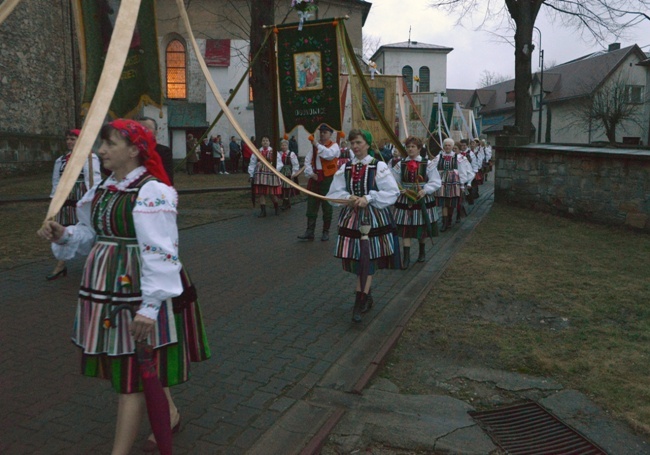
column 308, row 75
column 383, row 90
column 447, row 111
column 140, row 80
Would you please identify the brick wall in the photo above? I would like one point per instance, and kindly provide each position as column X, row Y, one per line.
column 610, row 186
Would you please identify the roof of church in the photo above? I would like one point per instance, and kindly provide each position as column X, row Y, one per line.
column 416, row 45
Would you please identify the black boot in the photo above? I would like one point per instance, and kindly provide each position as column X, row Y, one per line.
column 326, row 231
column 444, row 224
column 359, row 302
column 262, row 211
column 277, row 209
column 309, row 233
column 368, row 303
column 422, row 256
column 285, row 204
column 406, row 258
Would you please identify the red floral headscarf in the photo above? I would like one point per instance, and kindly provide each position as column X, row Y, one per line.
column 145, row 141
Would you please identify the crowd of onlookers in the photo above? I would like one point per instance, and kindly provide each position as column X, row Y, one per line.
column 212, row 156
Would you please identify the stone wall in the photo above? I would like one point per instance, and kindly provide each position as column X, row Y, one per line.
column 37, row 80
column 610, row 186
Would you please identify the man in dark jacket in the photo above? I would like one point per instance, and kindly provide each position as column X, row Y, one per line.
column 165, row 152
column 235, row 152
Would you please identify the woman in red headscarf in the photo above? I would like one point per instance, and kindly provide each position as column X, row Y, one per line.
column 127, row 226
column 90, row 175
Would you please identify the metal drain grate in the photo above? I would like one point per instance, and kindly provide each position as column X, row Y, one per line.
column 530, row 429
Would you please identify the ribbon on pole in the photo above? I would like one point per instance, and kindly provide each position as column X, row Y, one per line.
column 6, row 8
column 115, row 58
column 226, row 110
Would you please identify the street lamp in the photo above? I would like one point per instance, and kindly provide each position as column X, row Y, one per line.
column 541, row 86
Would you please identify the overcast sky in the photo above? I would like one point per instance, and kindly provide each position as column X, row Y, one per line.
column 475, row 51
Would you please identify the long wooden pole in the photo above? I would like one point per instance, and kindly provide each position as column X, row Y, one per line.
column 113, row 65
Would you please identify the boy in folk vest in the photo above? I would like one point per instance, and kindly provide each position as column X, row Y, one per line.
column 320, row 167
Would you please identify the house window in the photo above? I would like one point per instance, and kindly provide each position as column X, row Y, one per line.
column 634, row 94
column 176, row 62
column 424, row 79
column 407, row 74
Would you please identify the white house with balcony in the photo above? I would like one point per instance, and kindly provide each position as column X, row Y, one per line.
column 423, row 66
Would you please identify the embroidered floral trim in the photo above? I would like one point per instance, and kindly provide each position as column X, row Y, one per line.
column 159, row 202
column 166, row 257
column 126, row 181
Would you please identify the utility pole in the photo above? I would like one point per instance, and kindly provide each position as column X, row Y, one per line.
column 541, row 87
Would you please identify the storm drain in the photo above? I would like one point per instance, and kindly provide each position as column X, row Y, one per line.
column 530, row 429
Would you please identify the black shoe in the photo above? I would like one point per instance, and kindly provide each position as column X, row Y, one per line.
column 368, row 303
column 406, row 258
column 422, row 256
column 444, row 224
column 60, row 273
column 277, row 209
column 262, row 211
column 358, row 305
column 309, row 233
column 325, row 237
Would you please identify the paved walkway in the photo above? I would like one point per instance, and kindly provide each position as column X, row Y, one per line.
column 277, row 313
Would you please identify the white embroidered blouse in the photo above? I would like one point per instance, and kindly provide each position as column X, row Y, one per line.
column 387, row 193
column 154, row 218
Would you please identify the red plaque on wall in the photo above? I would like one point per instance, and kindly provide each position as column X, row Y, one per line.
column 217, row 52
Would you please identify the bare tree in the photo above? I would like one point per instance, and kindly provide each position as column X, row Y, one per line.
column 596, row 19
column 488, row 78
column 370, row 45
column 610, row 106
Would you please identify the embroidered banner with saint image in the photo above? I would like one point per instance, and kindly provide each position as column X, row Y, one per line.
column 308, row 75
column 140, row 80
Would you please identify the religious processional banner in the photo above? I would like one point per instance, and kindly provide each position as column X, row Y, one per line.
column 140, row 80
column 447, row 111
column 383, row 89
column 308, row 75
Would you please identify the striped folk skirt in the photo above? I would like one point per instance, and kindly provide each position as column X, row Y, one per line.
column 381, row 239
column 112, row 277
column 265, row 181
column 410, row 220
column 67, row 216
column 288, row 190
column 449, row 192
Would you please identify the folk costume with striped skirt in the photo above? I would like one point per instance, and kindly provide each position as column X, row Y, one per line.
column 454, row 170
column 372, row 179
column 67, row 216
column 128, row 229
column 264, row 180
column 289, row 167
column 414, row 175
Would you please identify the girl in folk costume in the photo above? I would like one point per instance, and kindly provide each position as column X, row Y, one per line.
column 370, row 189
column 454, row 171
column 487, row 164
column 265, row 182
column 417, row 218
column 90, row 175
column 127, row 226
column 289, row 169
column 477, row 166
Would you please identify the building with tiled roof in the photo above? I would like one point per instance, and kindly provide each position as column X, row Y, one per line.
column 564, row 86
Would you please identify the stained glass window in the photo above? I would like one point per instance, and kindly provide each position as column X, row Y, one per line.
column 176, row 70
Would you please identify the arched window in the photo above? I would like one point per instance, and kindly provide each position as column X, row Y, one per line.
column 176, row 62
column 424, row 79
column 407, row 73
